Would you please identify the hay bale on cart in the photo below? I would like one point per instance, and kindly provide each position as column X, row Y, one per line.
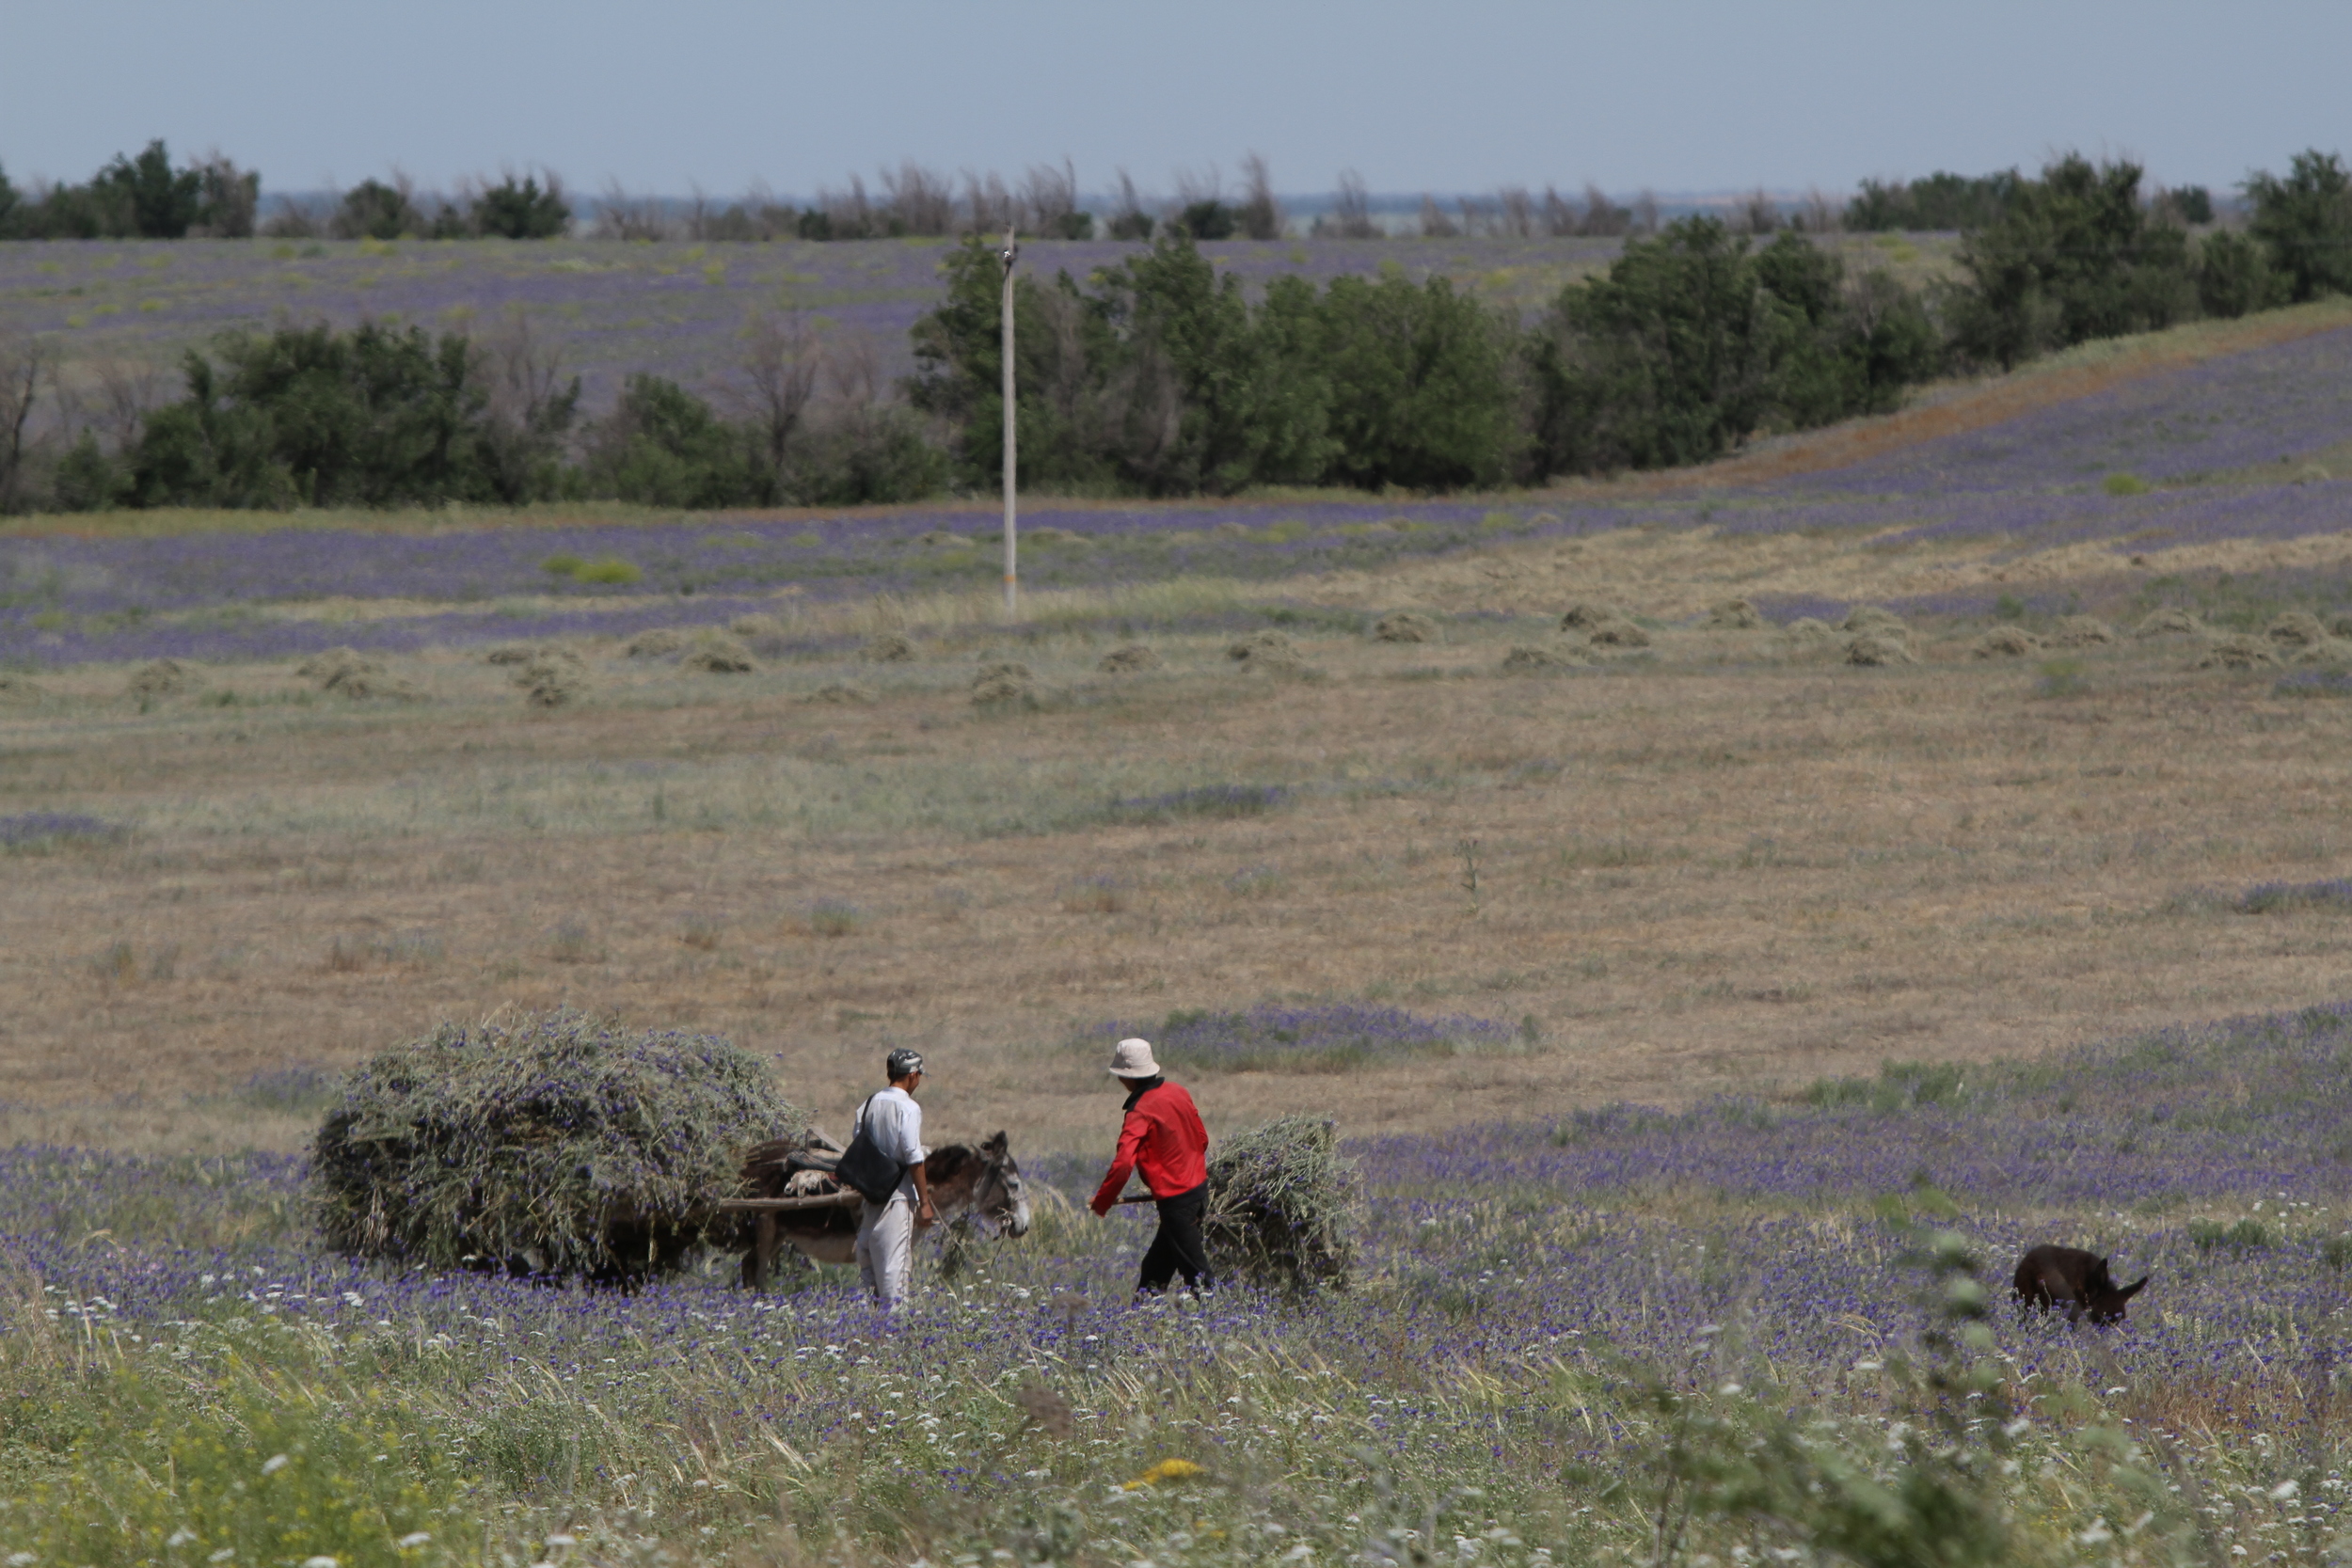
column 554, row 1145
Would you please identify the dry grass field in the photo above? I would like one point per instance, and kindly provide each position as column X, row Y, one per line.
column 1713, row 865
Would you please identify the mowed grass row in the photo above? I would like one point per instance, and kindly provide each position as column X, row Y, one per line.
column 1671, row 872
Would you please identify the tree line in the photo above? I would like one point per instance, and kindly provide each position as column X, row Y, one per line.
column 1159, row 375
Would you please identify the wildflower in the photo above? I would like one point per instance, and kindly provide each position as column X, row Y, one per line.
column 319, row 1562
column 410, row 1541
column 274, row 1464
column 1167, row 1469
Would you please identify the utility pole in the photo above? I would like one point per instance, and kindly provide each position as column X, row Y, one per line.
column 1012, row 556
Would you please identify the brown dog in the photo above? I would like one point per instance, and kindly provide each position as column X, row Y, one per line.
column 2068, row 1276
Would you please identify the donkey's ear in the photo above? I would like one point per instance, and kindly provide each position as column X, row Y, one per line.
column 996, row 1145
column 2133, row 1288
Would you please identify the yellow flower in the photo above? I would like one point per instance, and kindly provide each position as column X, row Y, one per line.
column 1167, row 1469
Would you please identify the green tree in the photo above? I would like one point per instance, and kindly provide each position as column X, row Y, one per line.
column 154, row 200
column 313, row 417
column 2306, row 221
column 2075, row 256
column 663, row 446
column 9, row 202
column 1421, row 385
column 1690, row 342
column 373, row 209
column 2235, row 277
column 522, row 211
column 1247, row 400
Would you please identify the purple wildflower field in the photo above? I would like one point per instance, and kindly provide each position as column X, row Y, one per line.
column 1734, row 1241
column 668, row 309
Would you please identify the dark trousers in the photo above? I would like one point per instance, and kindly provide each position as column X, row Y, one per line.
column 1178, row 1246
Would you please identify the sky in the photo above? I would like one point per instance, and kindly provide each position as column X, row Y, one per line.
column 1677, row 96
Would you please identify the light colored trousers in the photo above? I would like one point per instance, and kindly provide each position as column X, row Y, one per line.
column 886, row 1250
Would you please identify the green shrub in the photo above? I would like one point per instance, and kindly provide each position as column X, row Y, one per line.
column 607, row 569
column 2246, row 1235
column 2123, row 484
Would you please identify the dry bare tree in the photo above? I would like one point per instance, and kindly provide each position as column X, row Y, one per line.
column 1757, row 213
column 987, row 204
column 1559, row 218
column 1822, row 213
column 1602, row 217
column 25, row 362
column 1645, row 214
column 849, row 214
column 923, row 201
column 1351, row 210
column 1261, row 214
column 1130, row 222
column 1475, row 217
column 621, row 216
column 782, row 360
column 1433, row 223
column 1515, row 211
column 530, row 406
column 1051, row 197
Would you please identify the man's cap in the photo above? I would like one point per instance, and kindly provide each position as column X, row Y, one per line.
column 1132, row 1058
column 901, row 1063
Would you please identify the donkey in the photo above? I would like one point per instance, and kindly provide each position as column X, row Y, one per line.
column 2068, row 1276
column 972, row 1188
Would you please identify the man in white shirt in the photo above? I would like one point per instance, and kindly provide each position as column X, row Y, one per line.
column 885, row 1231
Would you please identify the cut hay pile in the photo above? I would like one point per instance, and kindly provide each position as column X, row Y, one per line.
column 842, row 694
column 551, row 677
column 1128, row 659
column 1281, row 1198
column 1006, row 682
column 1265, row 650
column 2237, row 652
column 347, row 673
column 159, row 677
column 1733, row 615
column 2004, row 643
column 1879, row 649
column 1523, row 660
column 2174, row 622
column 1404, row 626
column 889, row 648
column 558, row 1144
column 1871, row 620
column 656, row 643
column 2081, row 631
column 2297, row 629
column 720, row 655
column 1619, row 634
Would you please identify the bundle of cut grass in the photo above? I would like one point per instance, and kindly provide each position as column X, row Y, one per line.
column 1280, row 1198
column 559, row 1144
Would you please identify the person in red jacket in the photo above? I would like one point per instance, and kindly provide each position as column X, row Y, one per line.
column 1162, row 1138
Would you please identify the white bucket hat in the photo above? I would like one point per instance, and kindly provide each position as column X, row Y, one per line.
column 1132, row 1059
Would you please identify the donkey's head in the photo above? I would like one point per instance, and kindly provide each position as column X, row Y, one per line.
column 1000, row 1204
column 2103, row 1299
